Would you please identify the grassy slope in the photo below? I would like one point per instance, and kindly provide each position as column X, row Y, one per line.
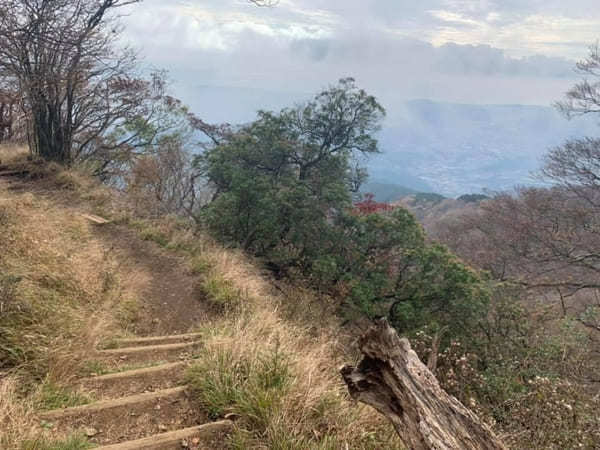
column 271, row 354
column 59, row 295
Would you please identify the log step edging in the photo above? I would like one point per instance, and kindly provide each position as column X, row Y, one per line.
column 110, row 404
column 172, row 439
column 134, row 373
column 150, row 340
column 147, row 349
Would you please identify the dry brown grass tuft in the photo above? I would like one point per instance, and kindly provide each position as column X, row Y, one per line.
column 309, row 409
column 12, row 153
column 53, row 256
column 16, row 415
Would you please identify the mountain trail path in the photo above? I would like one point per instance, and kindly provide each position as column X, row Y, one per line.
column 140, row 399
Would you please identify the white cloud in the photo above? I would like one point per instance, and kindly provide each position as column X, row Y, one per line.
column 454, row 18
column 494, row 51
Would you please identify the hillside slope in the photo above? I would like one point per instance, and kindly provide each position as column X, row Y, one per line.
column 94, row 325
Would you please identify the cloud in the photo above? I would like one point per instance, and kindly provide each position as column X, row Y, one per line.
column 487, row 51
column 487, row 60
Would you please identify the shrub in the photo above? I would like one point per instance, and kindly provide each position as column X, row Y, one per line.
column 553, row 414
column 250, row 386
column 220, row 292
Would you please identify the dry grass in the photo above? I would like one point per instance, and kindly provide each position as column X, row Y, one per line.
column 57, row 295
column 58, row 272
column 19, row 427
column 12, row 153
column 70, row 289
column 307, row 407
column 16, row 415
column 284, row 333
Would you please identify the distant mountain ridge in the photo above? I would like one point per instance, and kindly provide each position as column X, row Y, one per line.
column 386, row 192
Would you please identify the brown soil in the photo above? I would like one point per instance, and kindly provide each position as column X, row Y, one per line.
column 131, row 422
column 162, row 283
column 131, row 383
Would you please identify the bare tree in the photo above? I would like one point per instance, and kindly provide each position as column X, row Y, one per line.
column 74, row 79
column 576, row 164
column 77, row 83
column 546, row 239
column 165, row 181
column 584, row 97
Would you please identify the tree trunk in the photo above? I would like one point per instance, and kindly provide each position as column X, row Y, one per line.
column 49, row 134
column 393, row 380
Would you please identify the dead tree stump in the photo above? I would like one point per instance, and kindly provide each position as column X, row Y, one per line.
column 393, row 380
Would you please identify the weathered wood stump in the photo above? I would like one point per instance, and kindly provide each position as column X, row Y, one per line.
column 393, row 380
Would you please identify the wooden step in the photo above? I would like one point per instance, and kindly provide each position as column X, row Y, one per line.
column 149, row 353
column 136, row 381
column 128, row 418
column 155, row 340
column 110, row 404
column 207, row 436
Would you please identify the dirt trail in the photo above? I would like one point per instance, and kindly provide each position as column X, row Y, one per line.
column 148, row 408
column 142, row 403
column 162, row 283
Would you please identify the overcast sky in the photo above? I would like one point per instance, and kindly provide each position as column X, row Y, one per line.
column 487, row 51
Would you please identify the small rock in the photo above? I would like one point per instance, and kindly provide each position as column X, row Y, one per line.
column 157, row 407
column 91, row 432
column 196, row 441
column 185, row 443
column 162, row 427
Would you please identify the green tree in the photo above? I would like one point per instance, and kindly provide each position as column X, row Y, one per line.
column 278, row 180
column 392, row 271
column 283, row 188
column 440, row 291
